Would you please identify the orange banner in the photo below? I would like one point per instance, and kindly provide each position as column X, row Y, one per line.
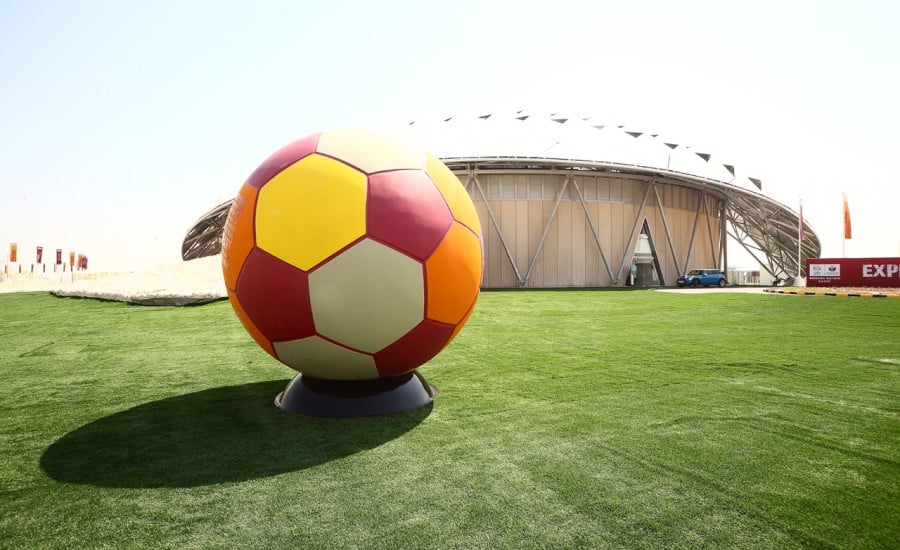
column 848, row 233
column 71, row 259
column 13, row 253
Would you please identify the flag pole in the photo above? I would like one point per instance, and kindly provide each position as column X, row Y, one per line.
column 800, row 237
column 847, row 230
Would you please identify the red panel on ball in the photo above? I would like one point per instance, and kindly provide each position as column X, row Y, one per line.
column 407, row 212
column 417, row 346
column 282, row 158
column 275, row 297
column 263, row 342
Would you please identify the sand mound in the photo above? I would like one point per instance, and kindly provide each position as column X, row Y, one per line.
column 184, row 283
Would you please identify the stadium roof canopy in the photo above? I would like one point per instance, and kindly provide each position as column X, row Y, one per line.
column 520, row 140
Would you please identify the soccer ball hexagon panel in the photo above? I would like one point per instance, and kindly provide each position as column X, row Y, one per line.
column 352, row 256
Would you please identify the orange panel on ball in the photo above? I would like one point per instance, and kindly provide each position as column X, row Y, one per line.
column 454, row 193
column 263, row 342
column 453, row 273
column 237, row 238
column 462, row 323
column 369, row 151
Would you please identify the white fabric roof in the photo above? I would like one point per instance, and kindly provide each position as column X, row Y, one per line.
column 525, row 135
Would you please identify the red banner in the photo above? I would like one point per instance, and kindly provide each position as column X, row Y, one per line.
column 13, row 252
column 864, row 272
column 58, row 256
column 40, row 254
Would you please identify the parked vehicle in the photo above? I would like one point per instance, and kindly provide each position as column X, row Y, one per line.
column 702, row 277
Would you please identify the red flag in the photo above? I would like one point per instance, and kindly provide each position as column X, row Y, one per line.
column 58, row 256
column 848, row 233
column 40, row 254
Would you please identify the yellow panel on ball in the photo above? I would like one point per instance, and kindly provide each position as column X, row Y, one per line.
column 311, row 210
column 454, row 193
column 320, row 358
column 368, row 151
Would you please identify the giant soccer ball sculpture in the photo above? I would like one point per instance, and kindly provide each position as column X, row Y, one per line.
column 352, row 258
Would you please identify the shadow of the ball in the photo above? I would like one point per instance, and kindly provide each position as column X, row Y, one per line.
column 225, row 434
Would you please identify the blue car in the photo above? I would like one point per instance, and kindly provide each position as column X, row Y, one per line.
column 702, row 277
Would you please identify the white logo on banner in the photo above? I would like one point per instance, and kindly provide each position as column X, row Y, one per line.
column 825, row 270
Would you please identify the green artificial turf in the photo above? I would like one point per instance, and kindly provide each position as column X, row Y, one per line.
column 564, row 419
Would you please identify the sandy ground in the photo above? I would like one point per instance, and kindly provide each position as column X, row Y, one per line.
column 714, row 289
column 183, row 283
column 200, row 281
column 868, row 292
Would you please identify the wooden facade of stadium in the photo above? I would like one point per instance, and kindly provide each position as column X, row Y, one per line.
column 565, row 228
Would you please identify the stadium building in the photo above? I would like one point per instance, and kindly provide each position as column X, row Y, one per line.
column 571, row 202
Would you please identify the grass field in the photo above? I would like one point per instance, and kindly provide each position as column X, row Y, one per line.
column 564, row 419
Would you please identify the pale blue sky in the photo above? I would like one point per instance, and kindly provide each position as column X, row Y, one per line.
column 122, row 122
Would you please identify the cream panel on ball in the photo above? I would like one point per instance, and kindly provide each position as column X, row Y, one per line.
column 368, row 296
column 370, row 151
column 320, row 358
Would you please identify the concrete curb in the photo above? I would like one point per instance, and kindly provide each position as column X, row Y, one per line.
column 831, row 293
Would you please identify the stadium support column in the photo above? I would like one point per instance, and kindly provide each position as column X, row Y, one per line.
column 635, row 231
column 665, row 222
column 472, row 179
column 723, row 234
column 550, row 220
column 690, row 251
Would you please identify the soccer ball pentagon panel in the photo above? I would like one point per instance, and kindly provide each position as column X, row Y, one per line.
column 349, row 255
